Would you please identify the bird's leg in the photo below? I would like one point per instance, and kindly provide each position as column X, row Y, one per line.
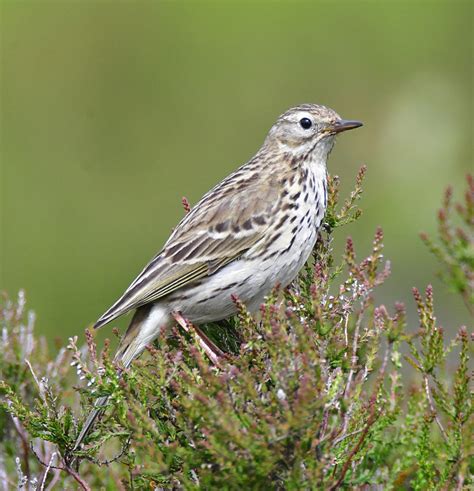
column 212, row 351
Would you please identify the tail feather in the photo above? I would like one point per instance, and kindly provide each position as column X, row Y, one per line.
column 99, row 408
column 145, row 326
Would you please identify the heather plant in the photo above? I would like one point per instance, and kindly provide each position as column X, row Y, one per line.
column 454, row 247
column 323, row 389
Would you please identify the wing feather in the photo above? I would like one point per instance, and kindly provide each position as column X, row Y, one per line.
column 210, row 236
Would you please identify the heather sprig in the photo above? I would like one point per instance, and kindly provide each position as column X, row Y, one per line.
column 454, row 247
column 324, row 389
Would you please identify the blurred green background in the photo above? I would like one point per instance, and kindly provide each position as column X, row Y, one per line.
column 111, row 111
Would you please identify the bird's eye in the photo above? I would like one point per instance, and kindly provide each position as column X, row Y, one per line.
column 306, row 123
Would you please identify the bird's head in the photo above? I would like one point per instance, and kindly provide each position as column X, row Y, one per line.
column 308, row 129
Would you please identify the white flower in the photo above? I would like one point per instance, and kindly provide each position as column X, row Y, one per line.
column 281, row 395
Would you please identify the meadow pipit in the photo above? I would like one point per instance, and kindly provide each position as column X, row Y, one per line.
column 254, row 230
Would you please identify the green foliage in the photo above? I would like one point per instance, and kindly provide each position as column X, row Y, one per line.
column 455, row 245
column 324, row 390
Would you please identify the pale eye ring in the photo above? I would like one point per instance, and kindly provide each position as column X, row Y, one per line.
column 306, row 123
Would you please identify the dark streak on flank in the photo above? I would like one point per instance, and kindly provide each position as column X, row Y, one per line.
column 247, row 225
column 221, row 227
column 276, row 237
column 296, row 195
column 282, row 221
column 292, row 241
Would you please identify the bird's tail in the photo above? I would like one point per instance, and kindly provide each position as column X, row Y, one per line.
column 99, row 408
column 146, row 325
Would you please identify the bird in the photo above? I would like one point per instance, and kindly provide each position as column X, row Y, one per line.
column 252, row 231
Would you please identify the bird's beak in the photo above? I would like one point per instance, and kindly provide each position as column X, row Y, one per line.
column 343, row 125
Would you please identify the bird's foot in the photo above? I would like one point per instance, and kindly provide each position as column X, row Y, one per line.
column 213, row 352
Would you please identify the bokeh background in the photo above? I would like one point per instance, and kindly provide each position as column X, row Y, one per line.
column 111, row 111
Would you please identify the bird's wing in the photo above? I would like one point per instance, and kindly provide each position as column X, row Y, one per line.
column 228, row 221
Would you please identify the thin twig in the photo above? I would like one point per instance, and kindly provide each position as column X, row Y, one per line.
column 66, row 468
column 328, row 405
column 4, row 481
column 346, row 322
column 355, row 345
column 41, row 387
column 35, row 379
column 54, row 480
column 347, row 435
column 432, row 407
column 44, row 464
column 78, row 478
column 324, row 422
column 24, row 442
column 370, row 421
column 48, row 468
column 107, row 462
column 353, row 365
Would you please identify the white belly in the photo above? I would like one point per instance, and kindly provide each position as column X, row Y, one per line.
column 251, row 280
column 286, row 266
